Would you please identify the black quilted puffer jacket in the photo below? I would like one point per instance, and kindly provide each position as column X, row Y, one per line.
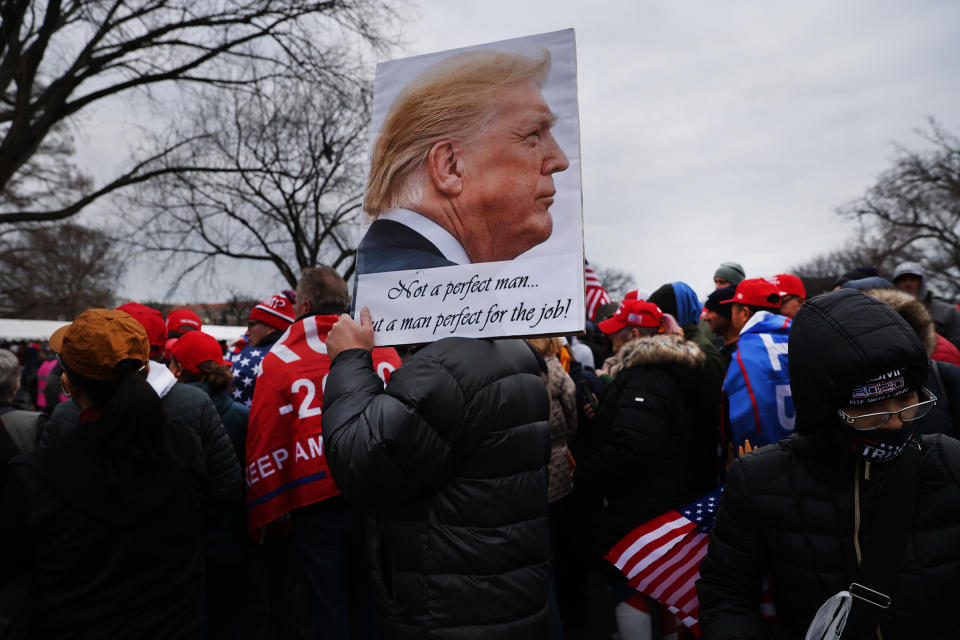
column 795, row 511
column 452, row 456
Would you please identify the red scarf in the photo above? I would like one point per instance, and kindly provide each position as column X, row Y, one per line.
column 285, row 466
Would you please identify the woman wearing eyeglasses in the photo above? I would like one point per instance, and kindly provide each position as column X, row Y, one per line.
column 854, row 516
column 101, row 532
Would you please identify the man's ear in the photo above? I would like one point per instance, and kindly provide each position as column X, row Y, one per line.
column 445, row 168
column 302, row 307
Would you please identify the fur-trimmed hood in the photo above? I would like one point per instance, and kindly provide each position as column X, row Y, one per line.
column 659, row 349
column 913, row 311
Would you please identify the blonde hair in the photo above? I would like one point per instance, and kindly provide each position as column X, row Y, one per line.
column 546, row 346
column 454, row 99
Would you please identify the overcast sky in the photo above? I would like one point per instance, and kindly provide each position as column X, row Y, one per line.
column 723, row 131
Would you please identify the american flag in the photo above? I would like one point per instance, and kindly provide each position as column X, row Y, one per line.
column 662, row 559
column 597, row 296
column 245, row 370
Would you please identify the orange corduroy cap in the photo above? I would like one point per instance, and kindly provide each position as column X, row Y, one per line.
column 98, row 340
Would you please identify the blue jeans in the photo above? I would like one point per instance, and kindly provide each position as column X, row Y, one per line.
column 331, row 544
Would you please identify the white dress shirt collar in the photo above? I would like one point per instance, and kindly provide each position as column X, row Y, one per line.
column 449, row 246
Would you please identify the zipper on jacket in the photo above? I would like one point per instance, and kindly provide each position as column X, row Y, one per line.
column 856, row 517
column 856, row 511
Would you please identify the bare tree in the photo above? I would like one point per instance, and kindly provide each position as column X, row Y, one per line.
column 59, row 59
column 915, row 208
column 617, row 282
column 867, row 247
column 289, row 155
column 56, row 272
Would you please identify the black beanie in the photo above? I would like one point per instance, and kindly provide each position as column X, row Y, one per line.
column 718, row 296
column 665, row 299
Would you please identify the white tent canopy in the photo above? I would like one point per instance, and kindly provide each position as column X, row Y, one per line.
column 40, row 330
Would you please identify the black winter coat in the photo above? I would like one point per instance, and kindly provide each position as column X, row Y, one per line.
column 452, row 455
column 105, row 554
column 789, row 509
column 651, row 451
column 943, row 379
column 190, row 406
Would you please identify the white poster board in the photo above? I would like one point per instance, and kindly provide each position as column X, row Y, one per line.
column 477, row 227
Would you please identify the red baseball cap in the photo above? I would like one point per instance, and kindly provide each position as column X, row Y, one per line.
column 183, row 320
column 789, row 285
column 195, row 347
column 632, row 313
column 276, row 312
column 756, row 292
column 151, row 320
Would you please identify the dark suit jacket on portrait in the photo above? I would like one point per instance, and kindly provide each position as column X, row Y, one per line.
column 391, row 246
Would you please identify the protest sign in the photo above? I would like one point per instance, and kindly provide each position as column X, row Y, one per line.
column 474, row 191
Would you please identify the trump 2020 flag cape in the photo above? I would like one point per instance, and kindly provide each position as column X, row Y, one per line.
column 285, row 463
column 662, row 557
column 757, row 386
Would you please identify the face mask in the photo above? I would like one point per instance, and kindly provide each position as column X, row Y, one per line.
column 878, row 445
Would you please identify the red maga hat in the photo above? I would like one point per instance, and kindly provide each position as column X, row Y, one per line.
column 195, row 347
column 789, row 285
column 152, row 321
column 183, row 320
column 632, row 313
column 756, row 292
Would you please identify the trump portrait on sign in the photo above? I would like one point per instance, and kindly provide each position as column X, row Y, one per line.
column 474, row 177
column 462, row 167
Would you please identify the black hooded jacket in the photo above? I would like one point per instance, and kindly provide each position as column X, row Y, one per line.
column 452, row 455
column 790, row 511
column 650, row 452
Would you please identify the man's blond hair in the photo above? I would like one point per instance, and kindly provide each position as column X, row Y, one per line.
column 454, row 99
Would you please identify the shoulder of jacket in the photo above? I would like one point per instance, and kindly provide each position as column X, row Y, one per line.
column 942, row 450
column 761, row 465
column 185, row 399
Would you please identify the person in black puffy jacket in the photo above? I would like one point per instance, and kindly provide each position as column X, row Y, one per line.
column 803, row 510
column 649, row 452
column 452, row 457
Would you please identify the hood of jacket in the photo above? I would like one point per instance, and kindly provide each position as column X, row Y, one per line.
column 913, row 268
column 913, row 311
column 840, row 340
column 679, row 300
column 660, row 349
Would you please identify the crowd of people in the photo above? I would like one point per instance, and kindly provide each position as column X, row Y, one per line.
column 304, row 483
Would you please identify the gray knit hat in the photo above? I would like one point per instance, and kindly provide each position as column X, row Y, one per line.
column 731, row 272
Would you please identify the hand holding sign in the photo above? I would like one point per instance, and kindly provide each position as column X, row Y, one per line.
column 347, row 333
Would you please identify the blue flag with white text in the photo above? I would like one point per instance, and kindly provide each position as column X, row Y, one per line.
column 757, row 386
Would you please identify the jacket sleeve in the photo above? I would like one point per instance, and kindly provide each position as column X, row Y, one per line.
column 638, row 429
column 223, row 468
column 732, row 571
column 379, row 446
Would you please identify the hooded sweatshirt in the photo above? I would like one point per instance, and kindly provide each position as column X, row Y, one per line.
column 946, row 316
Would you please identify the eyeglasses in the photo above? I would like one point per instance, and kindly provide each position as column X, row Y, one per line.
column 872, row 421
